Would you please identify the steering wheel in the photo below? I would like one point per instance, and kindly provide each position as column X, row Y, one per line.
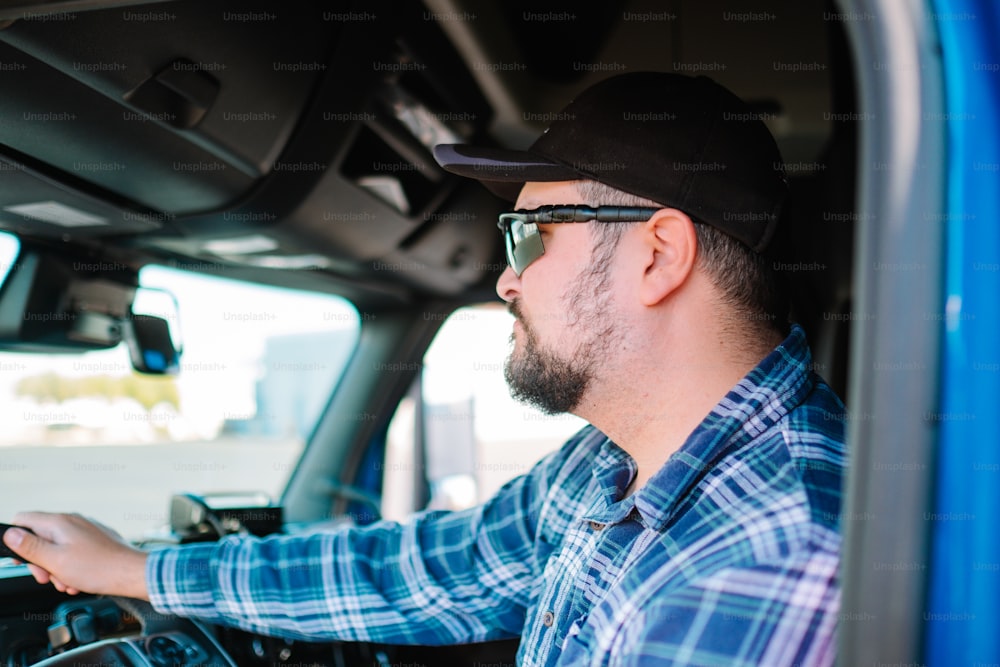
column 165, row 641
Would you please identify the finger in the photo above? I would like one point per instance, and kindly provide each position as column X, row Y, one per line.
column 12, row 540
column 23, row 517
column 30, row 547
column 43, row 523
column 33, row 517
column 63, row 588
column 40, row 575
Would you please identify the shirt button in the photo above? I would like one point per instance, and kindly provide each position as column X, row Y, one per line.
column 594, row 525
column 548, row 618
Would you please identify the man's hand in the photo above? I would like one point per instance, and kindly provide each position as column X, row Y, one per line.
column 77, row 555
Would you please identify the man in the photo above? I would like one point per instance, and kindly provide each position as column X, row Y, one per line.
column 695, row 522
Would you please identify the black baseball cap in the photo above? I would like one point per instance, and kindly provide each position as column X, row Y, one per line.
column 684, row 142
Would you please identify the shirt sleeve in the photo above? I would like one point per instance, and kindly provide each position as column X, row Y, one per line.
column 778, row 614
column 443, row 578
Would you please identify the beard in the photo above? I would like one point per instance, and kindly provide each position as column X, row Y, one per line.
column 543, row 378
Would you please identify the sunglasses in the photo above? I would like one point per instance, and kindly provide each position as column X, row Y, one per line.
column 520, row 228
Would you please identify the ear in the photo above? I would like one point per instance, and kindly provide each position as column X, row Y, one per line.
column 669, row 249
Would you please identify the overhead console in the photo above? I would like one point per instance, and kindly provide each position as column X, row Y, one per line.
column 176, row 107
column 253, row 134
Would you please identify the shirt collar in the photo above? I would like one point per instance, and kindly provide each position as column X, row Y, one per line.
column 758, row 401
column 613, row 469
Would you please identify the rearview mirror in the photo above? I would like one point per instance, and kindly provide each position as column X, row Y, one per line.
column 54, row 302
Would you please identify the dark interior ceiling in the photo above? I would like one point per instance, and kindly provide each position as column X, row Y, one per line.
column 289, row 143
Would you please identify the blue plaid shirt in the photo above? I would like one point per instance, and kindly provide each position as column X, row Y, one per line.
column 728, row 556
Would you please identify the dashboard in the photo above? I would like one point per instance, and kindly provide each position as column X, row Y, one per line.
column 130, row 633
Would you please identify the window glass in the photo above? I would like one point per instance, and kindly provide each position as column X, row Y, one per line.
column 85, row 433
column 8, row 254
column 477, row 436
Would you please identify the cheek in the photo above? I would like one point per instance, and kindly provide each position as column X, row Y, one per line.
column 541, row 305
column 550, row 288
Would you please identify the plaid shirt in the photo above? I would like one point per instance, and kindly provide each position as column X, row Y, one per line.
column 728, row 556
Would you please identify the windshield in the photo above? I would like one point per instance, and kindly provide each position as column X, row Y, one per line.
column 85, row 433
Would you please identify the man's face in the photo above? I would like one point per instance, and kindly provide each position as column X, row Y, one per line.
column 563, row 305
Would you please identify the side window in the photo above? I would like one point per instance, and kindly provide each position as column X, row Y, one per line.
column 8, row 254
column 475, row 436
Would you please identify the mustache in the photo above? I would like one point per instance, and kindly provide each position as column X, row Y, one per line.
column 514, row 308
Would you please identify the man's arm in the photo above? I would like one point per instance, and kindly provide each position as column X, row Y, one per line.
column 450, row 578
column 444, row 578
column 447, row 578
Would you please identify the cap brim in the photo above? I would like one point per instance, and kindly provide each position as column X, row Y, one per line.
column 501, row 170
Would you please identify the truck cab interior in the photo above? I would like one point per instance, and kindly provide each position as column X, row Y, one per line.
column 287, row 147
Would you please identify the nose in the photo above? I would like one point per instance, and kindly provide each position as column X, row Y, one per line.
column 508, row 285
